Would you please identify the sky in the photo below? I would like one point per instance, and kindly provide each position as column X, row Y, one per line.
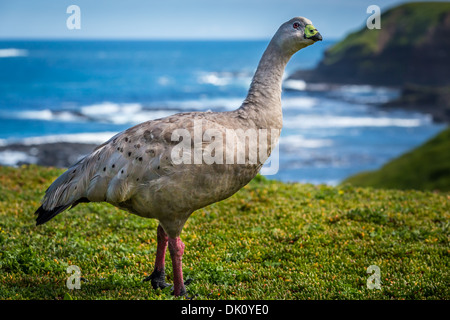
column 180, row 19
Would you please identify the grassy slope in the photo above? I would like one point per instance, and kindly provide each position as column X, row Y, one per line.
column 270, row 241
column 411, row 21
column 424, row 168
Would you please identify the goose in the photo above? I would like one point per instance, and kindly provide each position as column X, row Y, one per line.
column 153, row 171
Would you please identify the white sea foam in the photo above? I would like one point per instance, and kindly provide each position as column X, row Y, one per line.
column 224, row 78
column 203, row 104
column 13, row 158
column 131, row 113
column 164, row 81
column 295, row 142
column 292, row 84
column 104, row 112
column 364, row 93
column 108, row 108
column 13, row 52
column 134, row 113
column 89, row 137
column 214, row 79
column 45, row 115
column 316, row 121
column 357, row 88
column 36, row 114
column 298, row 102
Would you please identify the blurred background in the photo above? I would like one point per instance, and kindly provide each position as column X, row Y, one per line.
column 351, row 103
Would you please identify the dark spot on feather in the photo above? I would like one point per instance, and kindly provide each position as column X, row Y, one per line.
column 147, row 136
column 168, row 137
column 157, row 132
column 140, row 158
column 126, row 139
column 104, row 169
column 75, row 187
column 121, row 171
column 74, row 171
column 118, row 148
column 129, row 154
column 159, row 167
column 113, row 165
column 137, row 146
column 151, row 152
column 137, row 179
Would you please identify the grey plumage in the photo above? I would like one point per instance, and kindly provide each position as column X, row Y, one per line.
column 134, row 171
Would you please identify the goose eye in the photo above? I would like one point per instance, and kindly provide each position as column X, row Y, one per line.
column 296, row 25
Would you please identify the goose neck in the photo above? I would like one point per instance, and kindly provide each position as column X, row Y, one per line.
column 263, row 101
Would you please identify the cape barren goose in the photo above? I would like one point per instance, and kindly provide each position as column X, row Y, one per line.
column 152, row 171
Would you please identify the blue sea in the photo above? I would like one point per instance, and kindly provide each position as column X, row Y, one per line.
column 86, row 91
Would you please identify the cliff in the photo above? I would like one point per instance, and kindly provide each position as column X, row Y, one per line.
column 412, row 46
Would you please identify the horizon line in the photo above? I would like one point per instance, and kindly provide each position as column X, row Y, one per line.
column 138, row 39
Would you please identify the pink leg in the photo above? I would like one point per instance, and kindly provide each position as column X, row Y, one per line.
column 158, row 276
column 176, row 249
column 161, row 237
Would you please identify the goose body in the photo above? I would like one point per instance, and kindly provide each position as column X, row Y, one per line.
column 157, row 169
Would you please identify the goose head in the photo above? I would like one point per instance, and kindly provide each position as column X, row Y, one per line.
column 296, row 34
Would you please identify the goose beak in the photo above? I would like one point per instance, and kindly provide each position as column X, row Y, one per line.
column 316, row 37
column 312, row 33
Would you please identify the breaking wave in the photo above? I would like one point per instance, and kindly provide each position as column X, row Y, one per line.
column 13, row 52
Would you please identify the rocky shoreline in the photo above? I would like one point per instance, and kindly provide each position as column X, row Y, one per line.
column 426, row 99
column 60, row 154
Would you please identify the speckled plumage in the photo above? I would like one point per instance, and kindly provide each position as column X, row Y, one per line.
column 135, row 170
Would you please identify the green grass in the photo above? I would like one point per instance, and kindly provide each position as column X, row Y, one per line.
column 269, row 241
column 425, row 168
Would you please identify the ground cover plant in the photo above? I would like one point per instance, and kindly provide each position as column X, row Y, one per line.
column 271, row 240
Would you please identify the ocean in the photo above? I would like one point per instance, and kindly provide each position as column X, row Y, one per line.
column 87, row 91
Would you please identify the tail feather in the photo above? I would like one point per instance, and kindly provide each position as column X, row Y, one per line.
column 71, row 188
column 65, row 192
column 46, row 215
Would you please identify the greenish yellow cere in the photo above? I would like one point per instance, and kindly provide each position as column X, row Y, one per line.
column 310, row 31
column 271, row 240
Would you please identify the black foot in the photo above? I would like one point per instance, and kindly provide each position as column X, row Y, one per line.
column 157, row 279
column 183, row 291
